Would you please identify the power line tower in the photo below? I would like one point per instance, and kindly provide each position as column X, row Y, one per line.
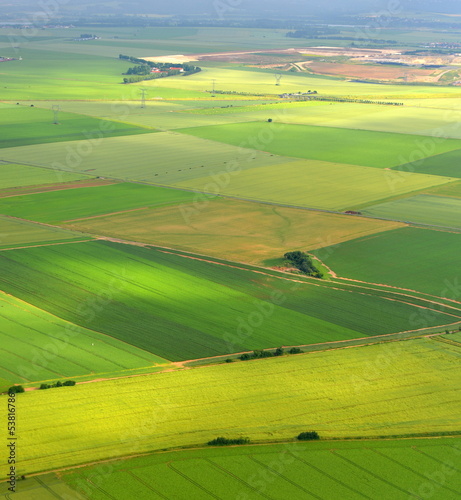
column 213, row 90
column 56, row 109
column 278, row 77
column 143, row 97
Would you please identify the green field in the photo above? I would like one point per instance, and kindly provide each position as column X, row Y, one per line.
column 438, row 164
column 217, row 229
column 15, row 233
column 164, row 301
column 419, row 259
column 354, row 147
column 423, row 209
column 391, row 469
column 54, row 206
column 314, row 184
column 408, row 119
column 22, row 125
column 39, row 346
column 381, row 390
column 13, row 176
column 161, row 158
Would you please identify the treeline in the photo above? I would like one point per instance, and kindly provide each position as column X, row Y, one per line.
column 69, row 383
column 143, row 69
column 313, row 32
column 351, row 99
column 258, row 354
column 234, row 92
column 304, row 263
column 222, row 441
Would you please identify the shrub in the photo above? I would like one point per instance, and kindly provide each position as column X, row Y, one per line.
column 229, row 360
column 222, row 441
column 69, row 382
column 295, row 350
column 308, row 436
column 16, row 389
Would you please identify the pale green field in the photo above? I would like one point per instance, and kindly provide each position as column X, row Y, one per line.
column 317, row 184
column 409, row 119
column 161, row 158
column 13, row 175
column 16, row 233
column 425, row 209
column 335, row 393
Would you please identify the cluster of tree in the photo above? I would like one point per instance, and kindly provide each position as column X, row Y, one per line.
column 258, row 354
column 87, row 35
column 362, row 39
column 57, row 384
column 16, row 389
column 313, row 32
column 222, row 441
column 234, row 92
column 308, row 436
column 303, row 262
column 351, row 99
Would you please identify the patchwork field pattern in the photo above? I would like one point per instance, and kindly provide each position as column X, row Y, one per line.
column 353, row 147
column 163, row 302
column 25, row 125
column 217, row 229
column 333, row 392
column 161, row 158
column 373, row 469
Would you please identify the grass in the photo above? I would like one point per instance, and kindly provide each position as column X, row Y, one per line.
column 425, row 209
column 407, row 119
column 336, row 393
column 38, row 346
column 419, row 259
column 217, row 230
column 54, row 206
column 437, row 164
column 161, row 158
column 161, row 302
column 314, row 184
column 14, row 233
column 354, row 147
column 391, row 469
column 14, row 175
column 22, row 126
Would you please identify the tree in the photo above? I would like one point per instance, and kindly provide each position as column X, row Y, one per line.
column 278, row 351
column 16, row 389
column 308, row 436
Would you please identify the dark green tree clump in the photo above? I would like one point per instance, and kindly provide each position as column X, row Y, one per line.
column 57, row 384
column 16, row 389
column 222, row 441
column 304, row 263
column 308, row 436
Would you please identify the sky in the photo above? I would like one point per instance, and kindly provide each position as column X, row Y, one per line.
column 256, row 8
